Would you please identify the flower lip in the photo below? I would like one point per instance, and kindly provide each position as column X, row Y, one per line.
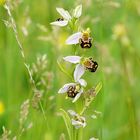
column 82, row 38
column 90, row 64
column 73, row 91
column 94, row 66
column 85, row 41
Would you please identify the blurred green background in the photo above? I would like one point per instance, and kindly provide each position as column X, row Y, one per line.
column 115, row 27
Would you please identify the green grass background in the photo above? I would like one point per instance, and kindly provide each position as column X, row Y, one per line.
column 119, row 69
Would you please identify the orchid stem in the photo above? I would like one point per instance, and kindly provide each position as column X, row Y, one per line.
column 63, row 70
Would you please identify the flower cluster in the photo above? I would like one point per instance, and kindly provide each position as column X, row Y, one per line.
column 76, row 87
column 82, row 38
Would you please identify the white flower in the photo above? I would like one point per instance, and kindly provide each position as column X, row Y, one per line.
column 82, row 38
column 66, row 17
column 74, row 90
column 77, row 120
column 86, row 63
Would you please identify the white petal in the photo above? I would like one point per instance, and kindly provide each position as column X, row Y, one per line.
column 74, row 122
column 72, row 113
column 77, row 96
column 59, row 23
column 64, row 13
column 74, row 39
column 78, row 11
column 93, row 138
column 79, row 71
column 82, row 82
column 72, row 59
column 84, row 120
column 77, row 124
column 65, row 87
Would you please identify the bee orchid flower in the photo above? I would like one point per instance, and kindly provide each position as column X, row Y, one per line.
column 66, row 17
column 82, row 38
column 77, row 120
column 75, row 89
column 86, row 63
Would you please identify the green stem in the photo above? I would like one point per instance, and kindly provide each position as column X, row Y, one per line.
column 63, row 70
column 75, row 134
column 43, row 113
column 83, row 110
column 80, row 134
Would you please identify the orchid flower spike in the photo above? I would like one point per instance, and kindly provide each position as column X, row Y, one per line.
column 66, row 17
column 82, row 38
column 77, row 120
column 75, row 90
column 86, row 63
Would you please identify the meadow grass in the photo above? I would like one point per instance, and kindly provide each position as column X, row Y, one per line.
column 118, row 59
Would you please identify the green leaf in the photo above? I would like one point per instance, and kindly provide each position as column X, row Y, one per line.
column 67, row 121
